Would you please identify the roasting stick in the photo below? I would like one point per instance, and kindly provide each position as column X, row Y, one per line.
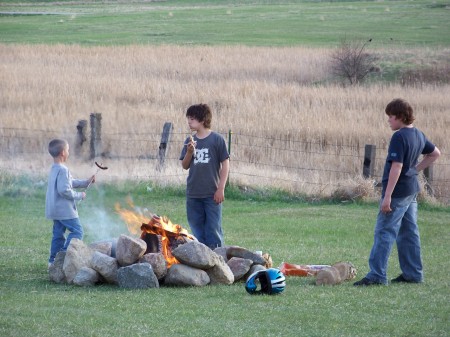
column 99, row 167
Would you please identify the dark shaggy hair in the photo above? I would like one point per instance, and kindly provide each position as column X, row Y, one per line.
column 200, row 112
column 401, row 110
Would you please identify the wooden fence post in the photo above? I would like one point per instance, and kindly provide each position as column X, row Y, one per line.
column 96, row 135
column 428, row 173
column 369, row 160
column 81, row 136
column 164, row 144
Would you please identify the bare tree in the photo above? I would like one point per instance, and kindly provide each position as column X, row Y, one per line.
column 351, row 62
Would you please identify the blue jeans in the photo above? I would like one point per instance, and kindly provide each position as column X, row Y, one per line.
column 205, row 219
column 59, row 242
column 400, row 225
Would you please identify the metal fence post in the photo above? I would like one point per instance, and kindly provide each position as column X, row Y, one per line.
column 229, row 153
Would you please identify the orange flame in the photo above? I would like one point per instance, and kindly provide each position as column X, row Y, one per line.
column 163, row 227
column 138, row 224
column 132, row 220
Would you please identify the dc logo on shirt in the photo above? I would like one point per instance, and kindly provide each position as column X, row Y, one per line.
column 393, row 154
column 202, row 156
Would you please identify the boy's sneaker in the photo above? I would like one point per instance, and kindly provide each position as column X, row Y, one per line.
column 401, row 279
column 49, row 265
column 366, row 282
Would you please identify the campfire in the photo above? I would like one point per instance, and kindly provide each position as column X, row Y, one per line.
column 157, row 252
column 159, row 233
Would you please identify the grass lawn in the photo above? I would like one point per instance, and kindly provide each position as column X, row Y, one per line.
column 263, row 23
column 294, row 231
column 291, row 231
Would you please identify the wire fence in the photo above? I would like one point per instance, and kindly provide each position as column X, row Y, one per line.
column 287, row 162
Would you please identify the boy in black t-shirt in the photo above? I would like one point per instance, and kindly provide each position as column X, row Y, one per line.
column 397, row 218
column 206, row 157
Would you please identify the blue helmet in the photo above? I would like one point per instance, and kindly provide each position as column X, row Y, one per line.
column 271, row 281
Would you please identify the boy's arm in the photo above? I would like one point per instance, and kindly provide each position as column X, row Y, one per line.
column 83, row 183
column 65, row 187
column 428, row 159
column 394, row 174
column 186, row 160
column 219, row 196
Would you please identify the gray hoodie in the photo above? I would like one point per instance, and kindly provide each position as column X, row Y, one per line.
column 61, row 196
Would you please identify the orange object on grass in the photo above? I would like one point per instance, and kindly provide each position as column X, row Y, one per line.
column 290, row 269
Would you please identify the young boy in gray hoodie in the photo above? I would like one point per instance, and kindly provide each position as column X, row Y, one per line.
column 60, row 199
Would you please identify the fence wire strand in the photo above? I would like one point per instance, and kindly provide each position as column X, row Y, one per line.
column 251, row 155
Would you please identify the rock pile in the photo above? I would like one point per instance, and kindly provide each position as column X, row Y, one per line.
column 123, row 262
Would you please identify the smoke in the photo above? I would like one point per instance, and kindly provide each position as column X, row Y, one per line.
column 99, row 224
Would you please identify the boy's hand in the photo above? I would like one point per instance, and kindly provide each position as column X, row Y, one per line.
column 219, row 196
column 191, row 145
column 83, row 195
column 91, row 181
column 386, row 205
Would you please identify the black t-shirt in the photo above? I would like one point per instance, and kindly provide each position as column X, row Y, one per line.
column 203, row 178
column 406, row 145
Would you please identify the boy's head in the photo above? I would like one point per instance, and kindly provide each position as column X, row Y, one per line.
column 56, row 146
column 401, row 110
column 202, row 113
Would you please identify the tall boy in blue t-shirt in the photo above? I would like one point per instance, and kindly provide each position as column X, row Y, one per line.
column 397, row 218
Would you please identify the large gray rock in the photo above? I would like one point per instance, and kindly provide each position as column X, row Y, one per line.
column 56, row 272
column 86, row 277
column 106, row 266
column 78, row 255
column 236, row 251
column 183, row 275
column 222, row 251
column 220, row 273
column 107, row 246
column 137, row 276
column 104, row 247
column 195, row 254
column 239, row 267
column 158, row 263
column 129, row 249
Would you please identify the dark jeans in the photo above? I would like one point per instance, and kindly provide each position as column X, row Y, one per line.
column 205, row 219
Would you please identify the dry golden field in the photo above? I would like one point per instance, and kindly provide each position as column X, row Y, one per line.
column 293, row 126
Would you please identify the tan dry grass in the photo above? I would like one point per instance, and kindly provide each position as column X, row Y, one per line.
column 254, row 91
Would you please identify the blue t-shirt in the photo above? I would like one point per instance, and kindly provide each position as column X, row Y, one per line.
column 204, row 169
column 406, row 145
